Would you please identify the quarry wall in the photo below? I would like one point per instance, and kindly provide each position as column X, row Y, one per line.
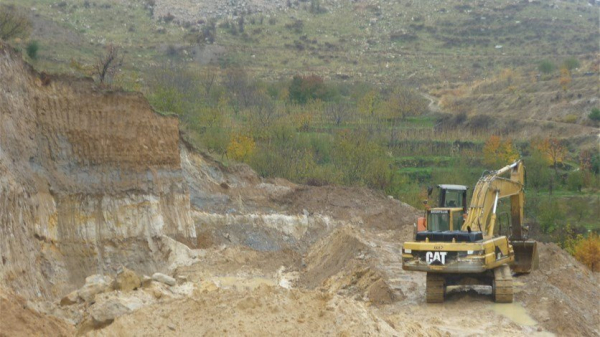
column 90, row 179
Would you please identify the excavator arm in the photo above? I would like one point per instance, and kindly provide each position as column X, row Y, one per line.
column 489, row 190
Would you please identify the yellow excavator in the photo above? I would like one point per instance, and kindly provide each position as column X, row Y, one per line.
column 459, row 246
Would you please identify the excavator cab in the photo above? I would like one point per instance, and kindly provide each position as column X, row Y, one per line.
column 453, row 196
column 449, row 215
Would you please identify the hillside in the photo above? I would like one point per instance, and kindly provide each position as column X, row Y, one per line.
column 407, row 41
column 89, row 207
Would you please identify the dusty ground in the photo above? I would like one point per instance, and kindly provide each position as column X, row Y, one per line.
column 350, row 283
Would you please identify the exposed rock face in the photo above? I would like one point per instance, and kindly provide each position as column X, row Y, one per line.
column 89, row 180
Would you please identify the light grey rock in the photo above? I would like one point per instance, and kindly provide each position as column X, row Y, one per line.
column 166, row 279
column 95, row 284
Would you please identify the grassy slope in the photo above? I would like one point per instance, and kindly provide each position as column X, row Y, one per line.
column 413, row 41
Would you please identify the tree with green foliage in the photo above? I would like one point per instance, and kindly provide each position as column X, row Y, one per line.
column 546, row 67
column 575, row 181
column 306, row 88
column 551, row 215
column 595, row 163
column 579, row 207
column 538, row 173
column 369, row 104
column 594, row 115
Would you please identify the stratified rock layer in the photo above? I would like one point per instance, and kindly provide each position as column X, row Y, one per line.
column 90, row 180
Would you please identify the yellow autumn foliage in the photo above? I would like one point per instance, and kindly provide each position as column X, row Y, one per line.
column 241, row 148
column 587, row 251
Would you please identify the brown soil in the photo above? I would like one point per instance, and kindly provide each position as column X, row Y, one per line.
column 263, row 311
column 563, row 294
column 18, row 319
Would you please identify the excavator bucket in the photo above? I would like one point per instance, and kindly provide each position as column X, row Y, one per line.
column 526, row 256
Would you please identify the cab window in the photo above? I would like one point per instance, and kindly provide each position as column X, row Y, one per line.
column 438, row 221
column 453, row 199
column 457, row 220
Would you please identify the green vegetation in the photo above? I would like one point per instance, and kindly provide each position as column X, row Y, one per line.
column 32, row 49
column 325, row 93
column 571, row 63
column 595, row 115
column 14, row 22
column 546, row 67
column 417, row 42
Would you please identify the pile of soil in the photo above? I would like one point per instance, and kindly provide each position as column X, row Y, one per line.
column 563, row 294
column 263, row 311
column 342, row 263
column 18, row 319
column 361, row 206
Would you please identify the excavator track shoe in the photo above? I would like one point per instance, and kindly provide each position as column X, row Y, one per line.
column 435, row 288
column 502, row 286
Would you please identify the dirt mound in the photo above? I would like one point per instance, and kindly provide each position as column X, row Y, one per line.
column 563, row 295
column 263, row 311
column 358, row 205
column 341, row 263
column 18, row 319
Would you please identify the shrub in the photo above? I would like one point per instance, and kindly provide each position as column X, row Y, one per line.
column 587, row 251
column 306, row 88
column 538, row 174
column 32, row 49
column 551, row 215
column 297, row 26
column 13, row 22
column 571, row 63
column 570, row 118
column 575, row 181
column 595, row 114
column 241, row 147
column 546, row 67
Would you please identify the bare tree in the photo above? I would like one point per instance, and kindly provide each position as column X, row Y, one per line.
column 13, row 22
column 264, row 109
column 338, row 112
column 107, row 66
column 208, row 78
column 239, row 87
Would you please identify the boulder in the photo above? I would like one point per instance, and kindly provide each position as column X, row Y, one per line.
column 105, row 313
column 70, row 299
column 95, row 284
column 127, row 280
column 166, row 279
column 146, row 281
